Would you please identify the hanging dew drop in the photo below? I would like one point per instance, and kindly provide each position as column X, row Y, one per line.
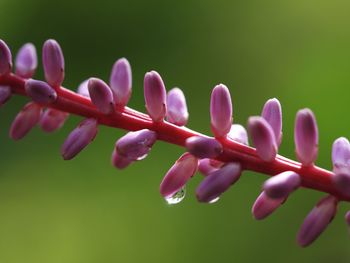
column 177, row 197
column 214, row 200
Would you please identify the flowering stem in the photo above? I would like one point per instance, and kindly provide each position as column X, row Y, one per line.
column 128, row 119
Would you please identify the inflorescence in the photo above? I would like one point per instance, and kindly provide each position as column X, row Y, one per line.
column 220, row 159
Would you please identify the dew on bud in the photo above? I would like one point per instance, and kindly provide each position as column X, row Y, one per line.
column 177, row 197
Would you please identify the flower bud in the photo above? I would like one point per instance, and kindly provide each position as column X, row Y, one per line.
column 221, row 111
column 53, row 62
column 26, row 61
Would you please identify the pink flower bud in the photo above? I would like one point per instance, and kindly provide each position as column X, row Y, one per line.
column 238, row 133
column 155, row 96
column 25, row 120
column 176, row 107
column 121, row 81
column 281, row 185
column 52, row 120
column 119, row 161
column 264, row 206
column 136, row 145
column 53, row 62
column 203, row 147
column 101, row 95
column 26, row 61
column 306, row 137
column 79, row 138
column 317, row 220
column 178, row 175
column 5, row 59
column 218, row 182
column 40, row 91
column 83, row 89
column 263, row 138
column 341, row 153
column 207, row 166
column 5, row 94
column 272, row 113
column 221, row 111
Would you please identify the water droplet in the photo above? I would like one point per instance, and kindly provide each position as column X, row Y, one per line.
column 177, row 197
column 142, row 157
column 214, row 200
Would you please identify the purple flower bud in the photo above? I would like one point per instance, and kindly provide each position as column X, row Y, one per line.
column 83, row 89
column 101, row 95
column 218, row 182
column 136, row 145
column 207, row 166
column 203, row 147
column 263, row 138
column 25, row 120
column 5, row 94
column 121, row 81
column 272, row 113
column 238, row 133
column 26, row 61
column 221, row 111
column 178, row 175
column 79, row 138
column 119, row 161
column 341, row 153
column 176, row 107
column 5, row 58
column 281, row 185
column 306, row 137
column 341, row 180
column 53, row 62
column 347, row 218
column 52, row 120
column 40, row 91
column 265, row 206
column 155, row 96
column 317, row 220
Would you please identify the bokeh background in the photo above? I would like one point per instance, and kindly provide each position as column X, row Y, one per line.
column 86, row 211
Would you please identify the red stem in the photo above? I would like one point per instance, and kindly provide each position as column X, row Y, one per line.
column 312, row 177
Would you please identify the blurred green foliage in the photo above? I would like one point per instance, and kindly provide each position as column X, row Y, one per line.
column 86, row 211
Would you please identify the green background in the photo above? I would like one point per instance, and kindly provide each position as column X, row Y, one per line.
column 86, row 211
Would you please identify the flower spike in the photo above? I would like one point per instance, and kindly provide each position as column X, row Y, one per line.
column 177, row 108
column 220, row 159
column 121, row 81
column 306, row 137
column 220, row 110
column 5, row 59
column 79, row 138
column 53, row 62
column 26, row 61
column 155, row 96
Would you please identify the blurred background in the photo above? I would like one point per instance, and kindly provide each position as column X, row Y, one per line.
column 86, row 211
